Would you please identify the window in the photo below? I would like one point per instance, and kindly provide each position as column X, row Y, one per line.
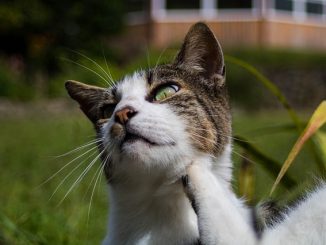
column 314, row 7
column 135, row 5
column 286, row 5
column 234, row 4
column 185, row 4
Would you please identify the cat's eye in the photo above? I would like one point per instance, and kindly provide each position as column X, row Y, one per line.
column 165, row 92
column 107, row 110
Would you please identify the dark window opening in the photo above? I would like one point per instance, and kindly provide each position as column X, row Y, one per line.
column 234, row 4
column 185, row 4
column 284, row 5
column 314, row 8
column 136, row 5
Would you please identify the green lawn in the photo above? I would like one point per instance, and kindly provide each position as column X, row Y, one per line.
column 29, row 144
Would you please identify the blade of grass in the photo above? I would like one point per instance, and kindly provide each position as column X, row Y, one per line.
column 246, row 180
column 11, row 227
column 317, row 120
column 321, row 138
column 269, row 85
column 270, row 165
column 321, row 163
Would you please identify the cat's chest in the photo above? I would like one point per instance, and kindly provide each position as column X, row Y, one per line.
column 162, row 219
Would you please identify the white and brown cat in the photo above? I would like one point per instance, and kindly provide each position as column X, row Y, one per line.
column 166, row 151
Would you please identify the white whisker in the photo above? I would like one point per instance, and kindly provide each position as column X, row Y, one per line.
column 107, row 68
column 218, row 144
column 71, row 172
column 87, row 68
column 65, row 166
column 95, row 63
column 82, row 175
column 223, row 135
column 92, row 142
column 159, row 59
column 97, row 178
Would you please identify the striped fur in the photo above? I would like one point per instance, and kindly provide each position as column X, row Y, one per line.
column 149, row 145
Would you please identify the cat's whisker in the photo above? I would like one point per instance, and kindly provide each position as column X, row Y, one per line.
column 91, row 182
column 82, row 175
column 108, row 69
column 68, row 175
column 159, row 59
column 218, row 144
column 87, row 68
column 66, row 165
column 95, row 63
column 92, row 142
column 220, row 134
column 148, row 58
column 101, row 168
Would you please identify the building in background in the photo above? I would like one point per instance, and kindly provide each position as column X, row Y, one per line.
column 268, row 23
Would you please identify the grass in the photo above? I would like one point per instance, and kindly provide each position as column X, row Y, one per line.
column 28, row 214
column 27, row 148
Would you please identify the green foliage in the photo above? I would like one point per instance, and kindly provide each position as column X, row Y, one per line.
column 294, row 72
column 280, row 58
column 28, row 213
column 271, row 166
column 316, row 121
column 39, row 32
column 12, row 85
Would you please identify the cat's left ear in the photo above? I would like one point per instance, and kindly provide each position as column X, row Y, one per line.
column 90, row 98
column 201, row 52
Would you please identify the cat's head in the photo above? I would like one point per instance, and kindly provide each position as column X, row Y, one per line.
column 163, row 117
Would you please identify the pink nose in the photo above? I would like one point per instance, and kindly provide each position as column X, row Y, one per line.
column 124, row 115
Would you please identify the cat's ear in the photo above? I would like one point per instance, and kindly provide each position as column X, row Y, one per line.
column 89, row 98
column 201, row 52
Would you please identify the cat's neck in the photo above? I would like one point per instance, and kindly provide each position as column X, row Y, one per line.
column 137, row 204
column 154, row 211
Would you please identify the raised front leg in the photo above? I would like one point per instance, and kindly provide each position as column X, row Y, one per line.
column 221, row 217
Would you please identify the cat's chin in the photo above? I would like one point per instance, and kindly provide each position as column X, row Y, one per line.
column 145, row 154
column 135, row 147
column 132, row 141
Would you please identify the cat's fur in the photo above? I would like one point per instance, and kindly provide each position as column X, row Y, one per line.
column 185, row 138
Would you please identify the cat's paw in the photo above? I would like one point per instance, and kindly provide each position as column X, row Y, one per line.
column 190, row 192
column 200, row 184
column 192, row 183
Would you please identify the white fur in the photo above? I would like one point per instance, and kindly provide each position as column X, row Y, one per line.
column 148, row 204
column 223, row 220
column 306, row 224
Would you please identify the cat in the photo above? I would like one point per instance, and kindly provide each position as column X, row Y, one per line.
column 165, row 144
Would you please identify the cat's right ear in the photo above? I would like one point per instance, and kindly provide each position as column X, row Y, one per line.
column 201, row 52
column 89, row 98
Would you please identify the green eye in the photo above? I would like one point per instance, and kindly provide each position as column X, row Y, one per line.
column 165, row 92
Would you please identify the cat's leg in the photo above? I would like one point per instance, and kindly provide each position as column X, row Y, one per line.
column 305, row 224
column 221, row 217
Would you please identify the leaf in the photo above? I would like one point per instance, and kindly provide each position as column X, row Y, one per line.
column 269, row 85
column 321, row 139
column 282, row 99
column 316, row 121
column 269, row 164
column 246, row 179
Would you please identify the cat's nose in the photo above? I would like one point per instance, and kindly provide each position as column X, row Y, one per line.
column 124, row 115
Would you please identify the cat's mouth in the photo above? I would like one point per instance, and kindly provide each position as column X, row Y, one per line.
column 132, row 138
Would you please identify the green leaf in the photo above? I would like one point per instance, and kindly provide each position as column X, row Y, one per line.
column 316, row 121
column 269, row 164
column 282, row 99
column 269, row 85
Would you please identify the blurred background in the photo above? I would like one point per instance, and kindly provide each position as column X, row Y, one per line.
column 44, row 43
